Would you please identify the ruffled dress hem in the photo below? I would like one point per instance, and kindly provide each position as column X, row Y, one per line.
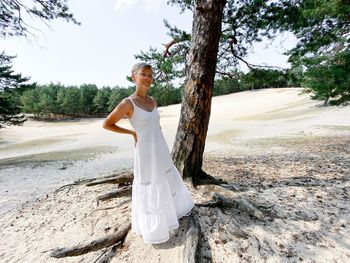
column 158, row 241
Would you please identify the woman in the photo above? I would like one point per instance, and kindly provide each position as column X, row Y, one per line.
column 159, row 195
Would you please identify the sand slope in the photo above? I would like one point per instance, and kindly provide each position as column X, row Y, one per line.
column 275, row 146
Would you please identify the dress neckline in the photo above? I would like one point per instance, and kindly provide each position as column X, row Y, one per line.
column 144, row 109
column 133, row 102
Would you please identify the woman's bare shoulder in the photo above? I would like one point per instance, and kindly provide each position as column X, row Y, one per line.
column 123, row 107
column 126, row 102
column 128, row 107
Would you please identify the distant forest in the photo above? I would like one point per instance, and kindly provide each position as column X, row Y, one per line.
column 56, row 101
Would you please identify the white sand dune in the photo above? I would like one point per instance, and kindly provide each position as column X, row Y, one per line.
column 248, row 112
column 38, row 157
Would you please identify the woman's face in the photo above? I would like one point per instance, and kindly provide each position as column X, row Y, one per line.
column 143, row 78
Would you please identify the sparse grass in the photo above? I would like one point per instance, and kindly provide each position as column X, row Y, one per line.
column 335, row 127
column 69, row 155
column 283, row 144
column 282, row 141
column 30, row 144
column 289, row 111
column 224, row 136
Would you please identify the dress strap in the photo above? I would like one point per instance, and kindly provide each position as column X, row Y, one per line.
column 132, row 101
column 154, row 103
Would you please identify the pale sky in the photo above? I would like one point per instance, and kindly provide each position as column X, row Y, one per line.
column 101, row 50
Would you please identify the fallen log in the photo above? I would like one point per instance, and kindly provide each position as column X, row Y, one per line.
column 94, row 245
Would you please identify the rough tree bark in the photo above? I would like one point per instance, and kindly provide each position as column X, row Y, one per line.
column 195, row 109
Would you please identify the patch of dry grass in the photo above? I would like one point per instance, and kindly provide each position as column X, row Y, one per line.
column 31, row 144
column 68, row 155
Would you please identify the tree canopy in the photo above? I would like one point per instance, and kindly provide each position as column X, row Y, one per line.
column 16, row 14
column 321, row 27
column 11, row 86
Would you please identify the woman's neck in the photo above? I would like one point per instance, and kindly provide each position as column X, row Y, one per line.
column 141, row 94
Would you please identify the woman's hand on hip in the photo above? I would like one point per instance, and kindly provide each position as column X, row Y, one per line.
column 134, row 134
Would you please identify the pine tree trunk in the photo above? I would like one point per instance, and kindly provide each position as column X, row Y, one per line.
column 195, row 110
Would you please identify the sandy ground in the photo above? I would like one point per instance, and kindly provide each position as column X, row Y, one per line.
column 276, row 147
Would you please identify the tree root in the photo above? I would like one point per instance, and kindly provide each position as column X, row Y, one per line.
column 124, row 191
column 67, row 185
column 105, row 208
column 192, row 239
column 119, row 179
column 94, row 245
column 205, row 179
column 241, row 203
column 222, row 197
column 108, row 255
column 111, row 176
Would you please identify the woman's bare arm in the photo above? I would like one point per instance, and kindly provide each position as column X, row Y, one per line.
column 122, row 109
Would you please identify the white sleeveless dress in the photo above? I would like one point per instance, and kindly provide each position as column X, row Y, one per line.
column 159, row 195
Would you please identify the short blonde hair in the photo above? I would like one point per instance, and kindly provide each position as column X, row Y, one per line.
column 139, row 66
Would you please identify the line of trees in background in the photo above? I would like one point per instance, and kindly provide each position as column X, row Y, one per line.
column 56, row 101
